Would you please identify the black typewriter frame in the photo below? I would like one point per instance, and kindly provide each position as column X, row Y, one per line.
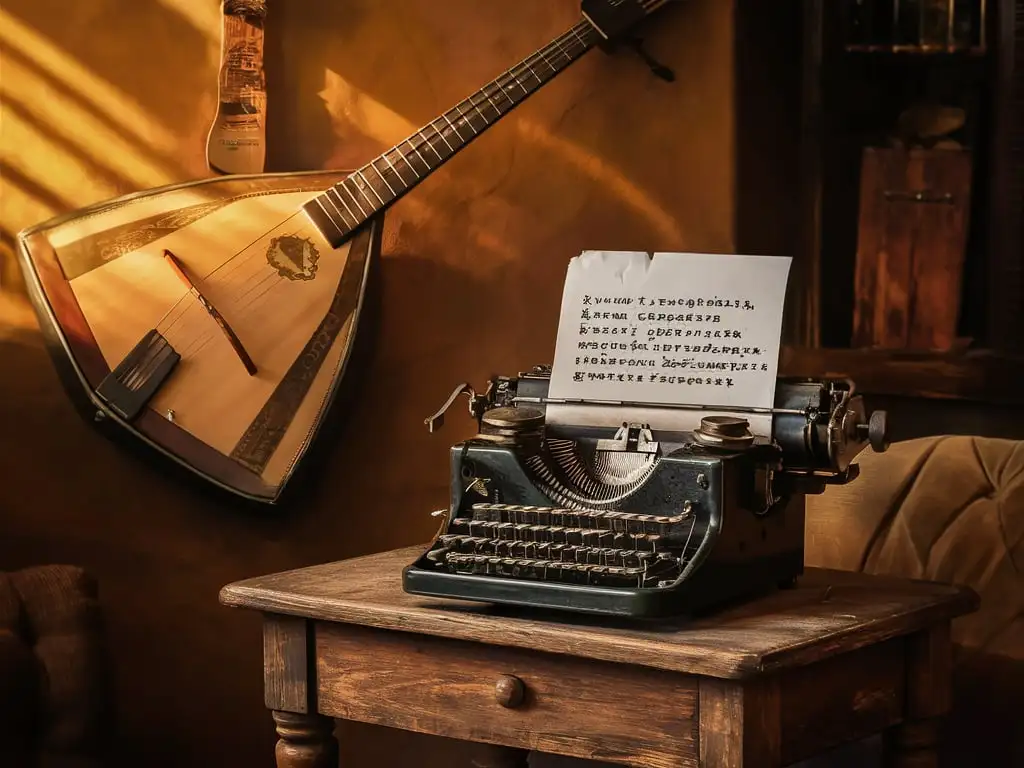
column 734, row 559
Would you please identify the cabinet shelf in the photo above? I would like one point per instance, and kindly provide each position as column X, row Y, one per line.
column 918, row 50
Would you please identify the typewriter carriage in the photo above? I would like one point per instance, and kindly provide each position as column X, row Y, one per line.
column 634, row 520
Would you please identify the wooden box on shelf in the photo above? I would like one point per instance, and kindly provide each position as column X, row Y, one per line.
column 912, row 234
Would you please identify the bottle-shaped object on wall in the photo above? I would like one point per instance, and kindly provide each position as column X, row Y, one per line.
column 237, row 139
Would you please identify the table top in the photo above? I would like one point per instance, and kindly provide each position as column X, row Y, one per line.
column 827, row 613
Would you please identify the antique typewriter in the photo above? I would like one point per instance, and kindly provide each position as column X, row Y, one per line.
column 600, row 511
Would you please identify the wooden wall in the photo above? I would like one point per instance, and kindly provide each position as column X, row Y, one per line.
column 108, row 96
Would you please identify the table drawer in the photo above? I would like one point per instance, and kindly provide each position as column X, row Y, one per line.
column 514, row 697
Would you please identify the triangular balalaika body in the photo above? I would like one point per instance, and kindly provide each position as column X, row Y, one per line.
column 139, row 342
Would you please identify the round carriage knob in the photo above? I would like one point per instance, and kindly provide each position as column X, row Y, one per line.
column 878, row 431
column 509, row 691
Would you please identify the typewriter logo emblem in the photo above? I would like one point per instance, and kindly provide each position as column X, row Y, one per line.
column 293, row 257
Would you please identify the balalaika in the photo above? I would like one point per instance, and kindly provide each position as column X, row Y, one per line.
column 597, row 511
column 215, row 321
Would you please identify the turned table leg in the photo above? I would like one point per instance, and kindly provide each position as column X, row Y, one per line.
column 305, row 741
column 914, row 743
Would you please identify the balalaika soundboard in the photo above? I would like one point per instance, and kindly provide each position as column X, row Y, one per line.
column 661, row 516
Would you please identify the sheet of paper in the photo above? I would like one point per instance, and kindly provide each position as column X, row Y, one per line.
column 679, row 328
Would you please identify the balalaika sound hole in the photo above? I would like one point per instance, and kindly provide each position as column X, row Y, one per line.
column 577, row 475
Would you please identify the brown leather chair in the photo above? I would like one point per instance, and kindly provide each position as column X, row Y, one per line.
column 55, row 709
column 947, row 509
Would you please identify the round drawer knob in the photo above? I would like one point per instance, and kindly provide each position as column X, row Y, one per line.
column 509, row 691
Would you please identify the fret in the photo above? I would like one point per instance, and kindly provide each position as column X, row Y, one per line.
column 343, row 186
column 532, row 71
column 519, row 82
column 427, row 168
column 405, row 160
column 392, row 180
column 340, row 213
column 482, row 116
column 355, row 200
column 412, row 167
column 395, row 170
column 452, row 126
column 341, row 229
column 491, row 101
column 562, row 50
column 498, row 107
column 337, row 194
column 384, row 179
column 359, row 182
column 465, row 119
column 441, row 134
column 493, row 89
column 579, row 37
column 503, row 90
column 429, row 143
column 373, row 189
column 544, row 56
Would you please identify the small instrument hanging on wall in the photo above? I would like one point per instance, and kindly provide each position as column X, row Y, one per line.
column 236, row 143
column 216, row 321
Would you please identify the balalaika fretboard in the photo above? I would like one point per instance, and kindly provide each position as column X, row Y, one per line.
column 346, row 206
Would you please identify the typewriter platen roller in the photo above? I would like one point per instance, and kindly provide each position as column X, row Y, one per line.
column 582, row 506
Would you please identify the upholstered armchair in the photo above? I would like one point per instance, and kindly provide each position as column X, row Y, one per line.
column 55, row 709
column 947, row 509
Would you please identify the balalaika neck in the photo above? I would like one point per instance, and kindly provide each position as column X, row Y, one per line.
column 346, row 206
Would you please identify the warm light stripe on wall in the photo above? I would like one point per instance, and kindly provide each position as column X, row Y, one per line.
column 350, row 106
column 114, row 104
column 22, row 91
column 610, row 178
column 66, row 179
column 204, row 17
column 16, row 317
column 16, row 204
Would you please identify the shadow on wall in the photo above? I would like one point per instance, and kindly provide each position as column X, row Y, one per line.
column 111, row 96
column 83, row 120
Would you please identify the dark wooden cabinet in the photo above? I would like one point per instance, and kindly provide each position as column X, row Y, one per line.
column 1006, row 262
column 852, row 95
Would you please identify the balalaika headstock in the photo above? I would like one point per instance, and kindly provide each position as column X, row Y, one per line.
column 613, row 18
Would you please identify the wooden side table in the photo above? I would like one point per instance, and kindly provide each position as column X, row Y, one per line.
column 837, row 658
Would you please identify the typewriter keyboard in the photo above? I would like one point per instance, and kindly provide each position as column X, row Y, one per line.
column 581, row 546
